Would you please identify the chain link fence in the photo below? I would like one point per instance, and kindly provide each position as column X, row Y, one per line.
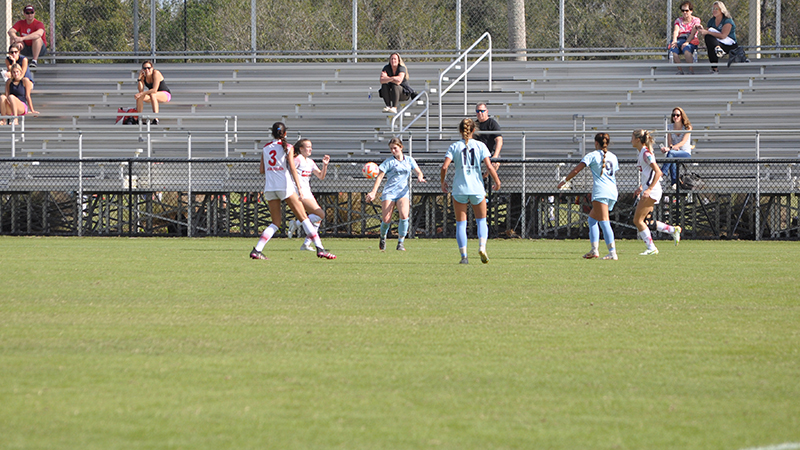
column 187, row 29
column 716, row 199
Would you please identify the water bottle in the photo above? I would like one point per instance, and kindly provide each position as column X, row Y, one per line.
column 369, row 95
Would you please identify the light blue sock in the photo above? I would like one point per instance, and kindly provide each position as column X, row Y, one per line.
column 384, row 229
column 594, row 231
column 461, row 237
column 483, row 233
column 608, row 234
column 402, row 230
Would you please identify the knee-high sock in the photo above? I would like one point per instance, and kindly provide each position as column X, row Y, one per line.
column 311, row 232
column 483, row 232
column 608, row 234
column 664, row 228
column 647, row 238
column 594, row 232
column 385, row 229
column 266, row 236
column 461, row 237
column 402, row 230
column 316, row 221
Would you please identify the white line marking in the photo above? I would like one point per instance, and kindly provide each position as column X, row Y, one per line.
column 786, row 446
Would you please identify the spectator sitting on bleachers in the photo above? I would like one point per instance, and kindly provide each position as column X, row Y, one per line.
column 17, row 98
column 679, row 145
column 14, row 57
column 152, row 89
column 394, row 84
column 720, row 37
column 684, row 36
column 28, row 35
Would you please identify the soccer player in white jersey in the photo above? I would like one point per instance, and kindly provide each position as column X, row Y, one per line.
column 277, row 165
column 650, row 190
column 604, row 166
column 467, row 155
column 397, row 170
column 305, row 168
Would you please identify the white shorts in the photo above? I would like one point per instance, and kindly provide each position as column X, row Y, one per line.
column 656, row 193
column 278, row 195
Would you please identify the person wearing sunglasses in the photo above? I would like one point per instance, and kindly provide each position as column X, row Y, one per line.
column 488, row 132
column 28, row 35
column 684, row 36
column 679, row 142
column 152, row 89
column 14, row 57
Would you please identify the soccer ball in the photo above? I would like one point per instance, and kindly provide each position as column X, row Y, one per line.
column 370, row 170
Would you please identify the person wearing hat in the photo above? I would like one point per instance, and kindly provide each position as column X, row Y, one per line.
column 29, row 36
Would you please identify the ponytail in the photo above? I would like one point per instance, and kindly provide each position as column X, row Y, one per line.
column 646, row 138
column 279, row 132
column 603, row 139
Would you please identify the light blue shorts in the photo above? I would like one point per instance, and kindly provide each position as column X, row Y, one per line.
column 392, row 198
column 471, row 199
column 606, row 201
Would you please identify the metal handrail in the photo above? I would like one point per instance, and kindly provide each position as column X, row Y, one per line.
column 425, row 111
column 467, row 69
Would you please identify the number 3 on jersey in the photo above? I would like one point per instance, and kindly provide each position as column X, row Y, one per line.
column 272, row 160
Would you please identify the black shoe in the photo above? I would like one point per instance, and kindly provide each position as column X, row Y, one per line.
column 33, row 63
column 153, row 121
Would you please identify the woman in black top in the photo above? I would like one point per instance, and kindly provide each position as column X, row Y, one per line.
column 394, row 83
column 17, row 98
column 152, row 89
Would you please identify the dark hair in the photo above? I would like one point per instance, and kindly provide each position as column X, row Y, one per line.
column 279, row 132
column 603, row 139
column 466, row 128
column 687, row 3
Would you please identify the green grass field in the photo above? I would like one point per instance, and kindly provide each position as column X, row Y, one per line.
column 186, row 343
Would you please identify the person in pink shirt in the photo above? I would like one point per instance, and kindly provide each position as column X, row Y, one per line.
column 684, row 36
column 29, row 36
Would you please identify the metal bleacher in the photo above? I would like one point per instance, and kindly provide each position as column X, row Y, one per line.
column 220, row 110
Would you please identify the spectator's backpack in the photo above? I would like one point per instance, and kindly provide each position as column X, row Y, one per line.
column 127, row 120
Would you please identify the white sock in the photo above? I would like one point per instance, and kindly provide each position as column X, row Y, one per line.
column 266, row 236
column 316, row 221
column 664, row 228
column 647, row 238
column 594, row 246
column 312, row 233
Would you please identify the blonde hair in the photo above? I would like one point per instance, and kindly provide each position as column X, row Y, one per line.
column 645, row 137
column 722, row 9
column 399, row 63
column 466, row 128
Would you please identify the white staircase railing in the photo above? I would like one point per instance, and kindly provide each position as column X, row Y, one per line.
column 467, row 70
column 425, row 112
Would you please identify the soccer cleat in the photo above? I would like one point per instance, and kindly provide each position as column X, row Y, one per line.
column 324, row 254
column 255, row 254
column 464, row 260
column 308, row 246
column 649, row 252
column 591, row 255
column 400, row 247
column 292, row 228
column 677, row 234
column 382, row 245
column 611, row 256
column 484, row 256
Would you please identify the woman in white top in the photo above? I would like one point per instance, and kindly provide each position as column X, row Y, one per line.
column 650, row 191
column 679, row 143
column 277, row 165
column 305, row 168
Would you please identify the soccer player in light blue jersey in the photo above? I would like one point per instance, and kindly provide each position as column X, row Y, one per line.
column 467, row 155
column 604, row 166
column 397, row 170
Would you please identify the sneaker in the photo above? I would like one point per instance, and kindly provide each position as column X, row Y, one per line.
column 255, row 254
column 309, row 246
column 292, row 228
column 718, row 50
column 714, row 72
column 591, row 255
column 611, row 256
column 324, row 254
column 387, row 108
column 464, row 260
column 677, row 234
column 382, row 245
column 679, row 72
column 649, row 252
column 484, row 256
column 393, row 110
column 400, row 247
column 33, row 63
column 153, row 121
